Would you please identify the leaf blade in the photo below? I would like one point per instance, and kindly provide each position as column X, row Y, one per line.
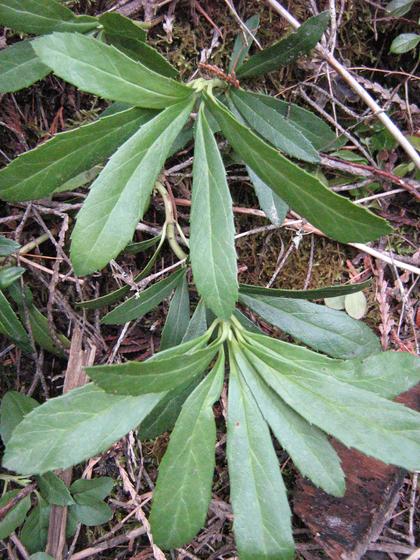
column 20, row 67
column 178, row 316
column 188, row 466
column 105, row 71
column 212, row 244
column 120, row 194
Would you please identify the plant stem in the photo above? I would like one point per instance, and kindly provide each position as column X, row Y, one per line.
column 354, row 84
column 170, row 222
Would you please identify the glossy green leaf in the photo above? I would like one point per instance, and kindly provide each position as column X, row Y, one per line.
column 90, row 511
column 53, row 490
column 69, row 429
column 164, row 415
column 324, row 329
column 288, row 49
column 262, row 523
column 140, row 246
column 7, row 246
column 41, row 332
column 272, row 126
column 178, row 317
column 98, row 488
column 335, row 215
column 20, row 67
column 273, row 206
column 105, row 71
column 306, row 444
column 42, row 16
column 318, row 293
column 375, row 373
column 14, row 406
column 243, row 43
column 155, row 375
column 138, row 305
column 183, row 490
column 404, row 43
column 34, row 532
column 312, row 127
column 9, row 275
column 129, row 38
column 16, row 515
column 119, row 196
column 375, row 426
column 212, row 237
column 114, row 296
column 11, row 327
column 197, row 324
column 41, row 171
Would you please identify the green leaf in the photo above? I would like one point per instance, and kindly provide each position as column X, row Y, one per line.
column 9, row 275
column 141, row 246
column 336, row 302
column 138, row 305
column 178, row 318
column 318, row 293
column 114, row 296
column 40, row 556
column 356, row 305
column 14, row 406
column 20, row 67
column 273, row 206
column 16, row 515
column 119, row 196
column 375, row 373
column 306, row 444
column 34, row 532
column 212, row 238
column 41, row 171
column 399, row 8
column 335, row 215
column 312, row 127
column 375, row 426
column 197, row 324
column 53, row 490
column 324, row 329
column 246, row 321
column 42, row 16
column 7, row 246
column 105, row 71
column 288, row 49
column 156, row 375
column 90, row 511
column 243, row 43
column 272, row 126
column 129, row 38
column 404, row 43
column 164, row 415
column 98, row 488
column 183, row 490
column 262, row 523
column 69, row 429
column 41, row 332
column 11, row 327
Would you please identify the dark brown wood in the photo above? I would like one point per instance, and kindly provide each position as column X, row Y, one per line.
column 345, row 527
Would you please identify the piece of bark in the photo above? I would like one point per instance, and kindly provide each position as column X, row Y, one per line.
column 75, row 377
column 345, row 527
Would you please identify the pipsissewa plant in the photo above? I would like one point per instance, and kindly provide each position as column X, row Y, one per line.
column 300, row 395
